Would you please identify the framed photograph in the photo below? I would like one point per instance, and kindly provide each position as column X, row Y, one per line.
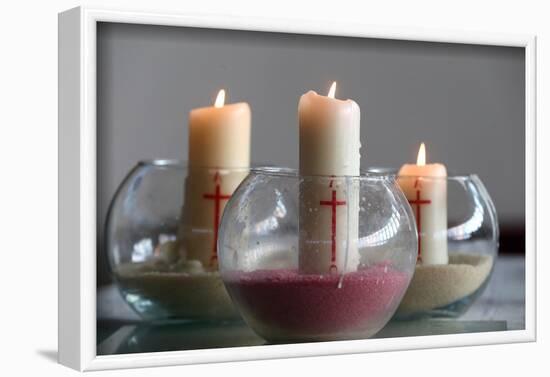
column 241, row 189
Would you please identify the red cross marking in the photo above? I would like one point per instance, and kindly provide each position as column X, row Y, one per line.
column 217, row 196
column 333, row 203
column 419, row 202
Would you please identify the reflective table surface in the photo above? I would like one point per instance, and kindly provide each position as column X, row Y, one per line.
column 119, row 330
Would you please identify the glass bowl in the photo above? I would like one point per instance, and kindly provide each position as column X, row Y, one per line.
column 161, row 233
column 459, row 253
column 311, row 258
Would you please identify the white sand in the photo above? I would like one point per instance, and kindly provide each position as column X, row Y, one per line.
column 435, row 286
column 183, row 289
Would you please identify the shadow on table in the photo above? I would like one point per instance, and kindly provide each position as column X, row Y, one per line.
column 50, row 355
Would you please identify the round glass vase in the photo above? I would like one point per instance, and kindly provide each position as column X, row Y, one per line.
column 160, row 239
column 470, row 242
column 311, row 258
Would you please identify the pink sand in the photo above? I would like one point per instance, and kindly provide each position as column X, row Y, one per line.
column 285, row 304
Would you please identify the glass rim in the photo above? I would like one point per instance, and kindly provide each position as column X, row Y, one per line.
column 395, row 172
column 453, row 177
column 368, row 173
column 162, row 162
column 294, row 173
column 363, row 174
column 181, row 164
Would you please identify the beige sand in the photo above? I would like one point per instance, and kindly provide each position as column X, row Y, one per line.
column 438, row 285
column 182, row 289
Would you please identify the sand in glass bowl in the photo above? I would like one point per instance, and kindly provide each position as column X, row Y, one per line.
column 162, row 253
column 448, row 290
column 353, row 292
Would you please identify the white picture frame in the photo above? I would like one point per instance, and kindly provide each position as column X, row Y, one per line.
column 77, row 189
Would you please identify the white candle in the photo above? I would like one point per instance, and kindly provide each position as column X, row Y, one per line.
column 219, row 135
column 219, row 155
column 425, row 186
column 329, row 209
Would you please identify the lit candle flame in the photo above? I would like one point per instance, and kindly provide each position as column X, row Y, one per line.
column 220, row 99
column 332, row 90
column 421, row 159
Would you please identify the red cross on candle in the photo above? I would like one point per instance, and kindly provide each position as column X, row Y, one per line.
column 217, row 197
column 419, row 202
column 333, row 203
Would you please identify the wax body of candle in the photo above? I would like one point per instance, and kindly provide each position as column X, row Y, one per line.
column 329, row 208
column 425, row 187
column 219, row 137
column 219, row 155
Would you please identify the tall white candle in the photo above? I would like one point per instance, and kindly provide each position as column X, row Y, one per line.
column 219, row 155
column 329, row 208
column 425, row 186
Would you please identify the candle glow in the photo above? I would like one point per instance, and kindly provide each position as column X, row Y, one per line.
column 220, row 99
column 332, row 90
column 421, row 158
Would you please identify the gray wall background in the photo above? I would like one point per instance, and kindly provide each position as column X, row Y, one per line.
column 466, row 102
